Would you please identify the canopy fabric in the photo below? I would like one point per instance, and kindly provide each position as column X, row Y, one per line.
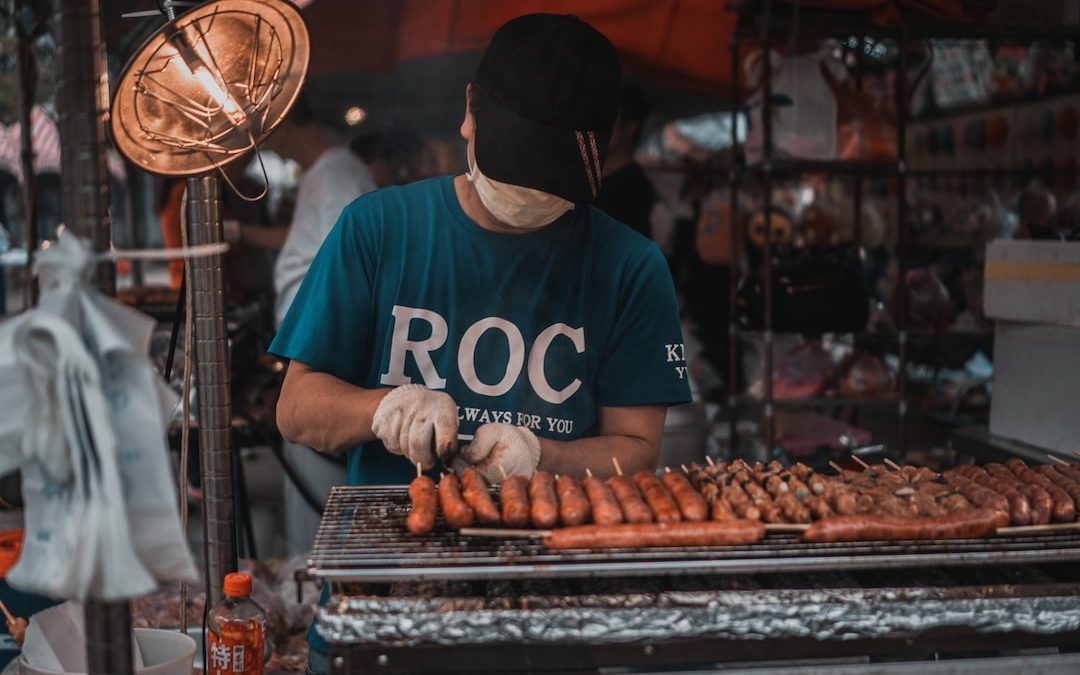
column 676, row 42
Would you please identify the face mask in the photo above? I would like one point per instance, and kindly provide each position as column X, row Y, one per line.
column 516, row 206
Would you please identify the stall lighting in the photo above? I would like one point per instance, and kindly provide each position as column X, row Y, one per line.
column 355, row 115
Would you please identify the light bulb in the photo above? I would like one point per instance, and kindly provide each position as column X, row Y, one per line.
column 211, row 84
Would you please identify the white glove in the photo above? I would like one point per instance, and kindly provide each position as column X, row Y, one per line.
column 418, row 423
column 515, row 449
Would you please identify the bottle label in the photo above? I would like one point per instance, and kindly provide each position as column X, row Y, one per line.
column 237, row 649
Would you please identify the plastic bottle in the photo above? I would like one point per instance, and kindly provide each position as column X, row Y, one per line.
column 236, row 630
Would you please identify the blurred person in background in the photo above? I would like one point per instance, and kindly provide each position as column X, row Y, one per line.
column 627, row 194
column 331, row 176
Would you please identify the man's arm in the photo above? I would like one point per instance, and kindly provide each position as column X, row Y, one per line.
column 322, row 412
column 629, row 433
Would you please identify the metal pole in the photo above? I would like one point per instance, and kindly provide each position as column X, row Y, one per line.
column 27, row 87
column 733, row 264
column 769, row 420
column 902, row 238
column 82, row 104
column 212, row 383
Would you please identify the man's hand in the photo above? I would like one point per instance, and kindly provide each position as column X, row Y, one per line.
column 515, row 449
column 418, row 423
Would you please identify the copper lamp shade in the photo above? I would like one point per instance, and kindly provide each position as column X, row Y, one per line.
column 210, row 85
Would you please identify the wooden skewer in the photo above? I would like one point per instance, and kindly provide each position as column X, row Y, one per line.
column 836, row 467
column 503, row 472
column 419, row 471
column 891, row 464
column 588, row 473
column 499, row 532
column 684, row 469
column 1076, row 453
column 785, row 527
column 7, row 615
column 1057, row 460
column 709, row 460
column 860, row 462
column 618, row 468
column 667, row 469
column 1034, row 529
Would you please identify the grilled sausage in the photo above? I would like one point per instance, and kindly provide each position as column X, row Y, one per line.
column 514, row 497
column 1063, row 509
column 634, row 508
column 819, row 507
column 475, row 491
column 692, row 505
column 458, row 514
column 980, row 495
column 605, row 508
column 970, row 524
column 661, row 503
column 573, row 504
column 1019, row 508
column 793, row 510
column 721, row 510
column 740, row 502
column 1016, row 465
column 1064, row 483
column 421, row 518
column 770, row 510
column 543, row 502
column 723, row 533
column 1042, row 505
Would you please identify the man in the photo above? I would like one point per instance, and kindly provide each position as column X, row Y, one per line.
column 496, row 308
column 628, row 195
column 332, row 176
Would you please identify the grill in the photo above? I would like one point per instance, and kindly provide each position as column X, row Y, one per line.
column 451, row 604
column 362, row 539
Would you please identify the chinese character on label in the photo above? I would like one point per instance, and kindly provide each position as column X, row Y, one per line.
column 238, row 659
column 219, row 656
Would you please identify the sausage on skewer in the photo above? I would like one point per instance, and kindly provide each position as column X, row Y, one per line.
column 633, row 505
column 573, row 504
column 543, row 502
column 970, row 524
column 727, row 533
column 663, row 506
column 514, row 497
column 458, row 514
column 692, row 505
column 475, row 491
column 604, row 506
column 421, row 518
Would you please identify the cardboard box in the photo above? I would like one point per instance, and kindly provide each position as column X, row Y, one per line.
column 1037, row 281
column 1037, row 385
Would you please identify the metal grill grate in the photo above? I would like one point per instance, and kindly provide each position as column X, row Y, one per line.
column 362, row 537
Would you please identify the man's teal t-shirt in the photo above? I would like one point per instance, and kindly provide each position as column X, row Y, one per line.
column 534, row 329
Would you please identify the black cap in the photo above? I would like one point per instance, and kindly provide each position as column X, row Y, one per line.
column 546, row 95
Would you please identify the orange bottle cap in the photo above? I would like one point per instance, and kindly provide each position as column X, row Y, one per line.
column 237, row 585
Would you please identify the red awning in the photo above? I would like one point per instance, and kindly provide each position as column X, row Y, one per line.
column 678, row 42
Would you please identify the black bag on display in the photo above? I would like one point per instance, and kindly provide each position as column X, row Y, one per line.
column 815, row 290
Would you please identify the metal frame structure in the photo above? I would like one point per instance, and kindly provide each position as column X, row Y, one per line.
column 818, row 25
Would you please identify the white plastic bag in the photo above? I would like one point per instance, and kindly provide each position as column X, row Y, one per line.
column 77, row 541
column 101, row 513
column 803, row 109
